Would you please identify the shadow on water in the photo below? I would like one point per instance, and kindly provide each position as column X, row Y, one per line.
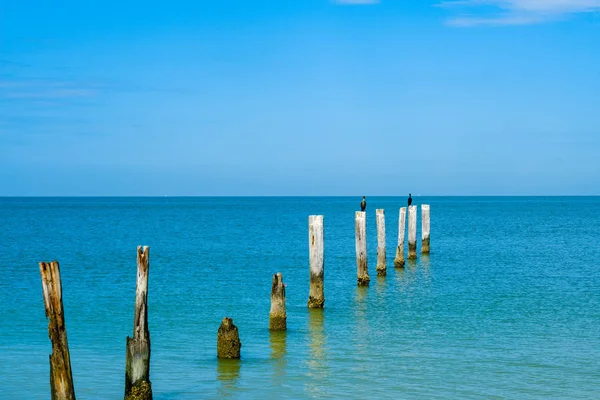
column 278, row 340
column 228, row 373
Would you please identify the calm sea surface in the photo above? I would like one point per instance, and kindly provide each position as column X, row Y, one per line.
column 506, row 306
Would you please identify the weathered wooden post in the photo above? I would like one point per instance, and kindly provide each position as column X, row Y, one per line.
column 425, row 228
column 61, row 377
column 399, row 260
column 381, row 258
column 137, row 363
column 360, row 220
column 228, row 340
column 277, row 316
column 412, row 232
column 316, row 297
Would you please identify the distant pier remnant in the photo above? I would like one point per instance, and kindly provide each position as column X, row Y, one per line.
column 228, row 340
column 277, row 316
column 399, row 260
column 137, row 363
column 361, row 248
column 412, row 232
column 425, row 228
column 61, row 378
column 316, row 298
column 381, row 259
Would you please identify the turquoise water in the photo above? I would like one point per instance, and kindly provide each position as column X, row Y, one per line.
column 506, row 306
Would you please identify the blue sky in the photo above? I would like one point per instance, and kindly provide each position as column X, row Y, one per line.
column 299, row 97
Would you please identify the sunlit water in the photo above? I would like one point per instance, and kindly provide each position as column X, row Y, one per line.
column 506, row 306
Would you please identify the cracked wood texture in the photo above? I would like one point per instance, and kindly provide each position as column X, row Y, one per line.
column 61, row 377
column 381, row 256
column 316, row 298
column 137, row 365
column 360, row 221
column 425, row 228
column 399, row 260
column 412, row 232
column 277, row 315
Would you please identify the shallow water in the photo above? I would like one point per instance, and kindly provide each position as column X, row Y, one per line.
column 506, row 306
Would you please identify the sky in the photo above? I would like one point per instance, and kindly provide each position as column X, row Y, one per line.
column 299, row 97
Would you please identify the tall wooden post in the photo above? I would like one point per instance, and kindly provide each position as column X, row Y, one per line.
column 316, row 297
column 425, row 228
column 360, row 220
column 61, row 377
column 381, row 258
column 399, row 260
column 277, row 316
column 137, row 363
column 412, row 232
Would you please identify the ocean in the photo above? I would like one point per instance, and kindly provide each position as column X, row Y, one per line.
column 506, row 306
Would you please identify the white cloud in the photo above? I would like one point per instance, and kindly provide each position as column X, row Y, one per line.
column 517, row 12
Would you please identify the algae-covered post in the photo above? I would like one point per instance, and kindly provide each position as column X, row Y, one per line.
column 425, row 228
column 228, row 340
column 381, row 259
column 277, row 316
column 316, row 297
column 399, row 260
column 360, row 220
column 412, row 232
column 61, row 377
column 137, row 363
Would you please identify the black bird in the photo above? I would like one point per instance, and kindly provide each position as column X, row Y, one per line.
column 409, row 200
column 363, row 204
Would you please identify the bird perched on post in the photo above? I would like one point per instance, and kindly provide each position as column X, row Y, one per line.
column 363, row 204
column 409, row 200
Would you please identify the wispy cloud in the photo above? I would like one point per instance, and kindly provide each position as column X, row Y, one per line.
column 43, row 89
column 515, row 12
column 363, row 2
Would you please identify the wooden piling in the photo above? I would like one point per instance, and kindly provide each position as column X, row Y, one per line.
column 228, row 340
column 412, row 232
column 381, row 257
column 360, row 220
column 399, row 260
column 61, row 377
column 277, row 316
column 137, row 363
column 425, row 228
column 316, row 297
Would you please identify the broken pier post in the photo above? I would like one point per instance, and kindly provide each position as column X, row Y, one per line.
column 61, row 377
column 360, row 221
column 412, row 232
column 399, row 260
column 137, row 363
column 425, row 228
column 228, row 340
column 277, row 316
column 316, row 297
column 381, row 257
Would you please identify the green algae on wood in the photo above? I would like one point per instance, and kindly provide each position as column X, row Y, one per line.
column 360, row 221
column 316, row 297
column 399, row 260
column 228, row 340
column 137, row 363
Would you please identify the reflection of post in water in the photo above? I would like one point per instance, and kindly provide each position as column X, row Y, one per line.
column 278, row 352
column 380, row 285
column 317, row 337
column 228, row 373
column 278, row 344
